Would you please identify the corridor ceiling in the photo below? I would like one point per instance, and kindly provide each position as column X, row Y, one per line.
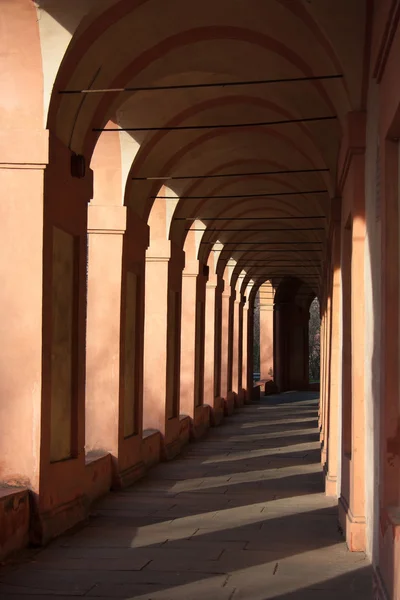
column 317, row 44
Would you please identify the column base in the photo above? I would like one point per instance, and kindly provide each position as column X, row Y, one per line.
column 46, row 525
column 378, row 586
column 217, row 412
column 175, row 438
column 353, row 527
column 151, row 447
column 200, row 424
column 270, row 388
column 14, row 517
column 229, row 403
column 127, row 477
column 330, row 485
column 239, row 399
column 324, row 456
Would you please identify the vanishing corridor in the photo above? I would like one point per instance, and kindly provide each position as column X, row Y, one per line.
column 240, row 515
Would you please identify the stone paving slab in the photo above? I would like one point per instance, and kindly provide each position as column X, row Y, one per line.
column 240, row 515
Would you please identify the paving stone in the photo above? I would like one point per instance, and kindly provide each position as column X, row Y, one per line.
column 239, row 516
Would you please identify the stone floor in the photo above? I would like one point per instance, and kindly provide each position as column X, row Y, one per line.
column 239, row 516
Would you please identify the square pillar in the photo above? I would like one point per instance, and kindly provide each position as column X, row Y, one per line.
column 162, row 339
column 332, row 441
column 23, row 163
column 352, row 494
column 245, row 361
column 192, row 350
column 226, row 350
column 114, row 341
column 65, row 491
column 237, row 349
column 212, row 350
column 106, row 228
column 266, row 331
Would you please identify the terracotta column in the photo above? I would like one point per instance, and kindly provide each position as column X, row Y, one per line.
column 226, row 349
column 327, row 390
column 192, row 348
column 212, row 351
column 324, row 394
column 236, row 350
column 322, row 382
column 356, row 515
column 114, row 367
column 106, row 228
column 266, row 331
column 332, row 461
column 24, row 156
column 164, row 265
column 352, row 498
column 61, row 500
column 245, row 344
column 279, row 364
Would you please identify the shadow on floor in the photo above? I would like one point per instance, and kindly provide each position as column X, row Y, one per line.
column 240, row 515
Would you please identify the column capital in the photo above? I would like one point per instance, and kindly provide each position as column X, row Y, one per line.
column 24, row 149
column 163, row 251
column 107, row 219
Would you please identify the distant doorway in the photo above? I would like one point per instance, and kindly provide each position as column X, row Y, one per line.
column 314, row 342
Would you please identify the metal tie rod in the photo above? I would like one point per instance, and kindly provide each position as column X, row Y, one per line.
column 243, row 196
column 218, row 125
column 261, row 242
column 189, row 86
column 261, row 230
column 246, row 218
column 298, row 251
column 250, row 174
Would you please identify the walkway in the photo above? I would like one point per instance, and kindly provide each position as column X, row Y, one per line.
column 240, row 516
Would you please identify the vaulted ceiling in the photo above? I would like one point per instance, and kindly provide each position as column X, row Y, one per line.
column 217, row 148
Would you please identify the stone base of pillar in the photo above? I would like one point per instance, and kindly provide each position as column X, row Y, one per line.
column 354, row 528
column 70, row 508
column 127, row 477
column 200, row 423
column 217, row 412
column 270, row 388
column 247, row 396
column 46, row 525
column 324, row 455
column 151, row 447
column 175, row 439
column 330, row 486
column 170, row 450
column 379, row 589
column 14, row 517
column 229, row 403
column 241, row 397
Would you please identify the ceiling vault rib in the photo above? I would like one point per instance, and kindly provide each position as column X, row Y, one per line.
column 217, row 125
column 189, row 86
